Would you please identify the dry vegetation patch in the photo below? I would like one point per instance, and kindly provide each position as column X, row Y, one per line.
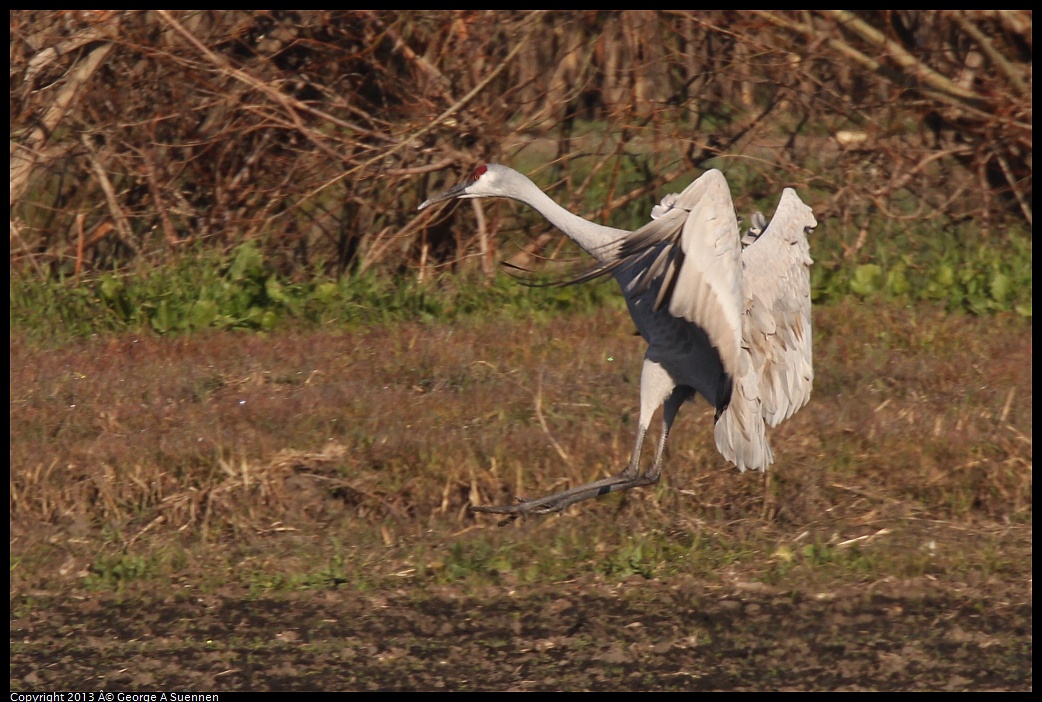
column 289, row 511
column 388, row 433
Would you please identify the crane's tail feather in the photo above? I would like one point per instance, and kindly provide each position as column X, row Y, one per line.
column 740, row 430
column 530, row 278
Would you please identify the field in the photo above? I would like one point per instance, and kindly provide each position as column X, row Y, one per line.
column 288, row 510
column 255, row 390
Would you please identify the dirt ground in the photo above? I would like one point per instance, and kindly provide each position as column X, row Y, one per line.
column 637, row 635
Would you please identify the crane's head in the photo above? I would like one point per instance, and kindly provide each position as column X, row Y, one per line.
column 487, row 180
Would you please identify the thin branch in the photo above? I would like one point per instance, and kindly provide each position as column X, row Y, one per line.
column 542, row 421
column 411, row 139
column 996, row 58
column 25, row 157
column 157, row 199
column 122, row 226
column 1025, row 206
column 16, row 233
column 905, row 59
column 875, row 66
column 289, row 103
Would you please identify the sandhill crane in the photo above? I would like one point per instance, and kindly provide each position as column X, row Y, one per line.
column 729, row 324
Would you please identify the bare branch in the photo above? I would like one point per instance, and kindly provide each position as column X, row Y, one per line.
column 25, row 157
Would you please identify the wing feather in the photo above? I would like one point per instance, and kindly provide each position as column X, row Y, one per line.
column 777, row 325
column 776, row 368
column 694, row 239
column 691, row 248
column 753, row 304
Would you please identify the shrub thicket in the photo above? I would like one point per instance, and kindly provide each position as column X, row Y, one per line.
column 314, row 135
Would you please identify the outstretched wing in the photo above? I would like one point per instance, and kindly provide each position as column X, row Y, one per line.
column 692, row 247
column 754, row 305
column 777, row 327
column 776, row 369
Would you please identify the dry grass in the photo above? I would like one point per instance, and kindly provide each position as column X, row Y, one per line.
column 362, row 449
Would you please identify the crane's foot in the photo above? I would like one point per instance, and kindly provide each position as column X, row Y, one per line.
column 559, row 500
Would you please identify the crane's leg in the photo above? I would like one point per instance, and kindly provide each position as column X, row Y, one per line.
column 669, row 413
column 656, row 389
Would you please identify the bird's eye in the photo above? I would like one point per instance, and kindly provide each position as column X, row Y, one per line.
column 478, row 172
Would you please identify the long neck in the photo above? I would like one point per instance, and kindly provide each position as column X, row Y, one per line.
column 595, row 239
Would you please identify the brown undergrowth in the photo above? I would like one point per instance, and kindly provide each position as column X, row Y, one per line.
column 409, row 423
column 260, row 466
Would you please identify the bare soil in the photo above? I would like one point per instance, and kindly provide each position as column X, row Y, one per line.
column 639, row 635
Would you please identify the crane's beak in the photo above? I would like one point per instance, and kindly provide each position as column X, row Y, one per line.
column 454, row 191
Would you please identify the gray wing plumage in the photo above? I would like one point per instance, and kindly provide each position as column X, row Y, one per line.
column 776, row 281
column 753, row 304
column 692, row 246
column 776, row 362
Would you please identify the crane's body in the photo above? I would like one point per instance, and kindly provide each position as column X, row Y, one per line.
column 731, row 325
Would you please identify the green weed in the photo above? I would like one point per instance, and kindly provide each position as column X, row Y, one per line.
column 954, row 268
column 114, row 572
column 243, row 291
